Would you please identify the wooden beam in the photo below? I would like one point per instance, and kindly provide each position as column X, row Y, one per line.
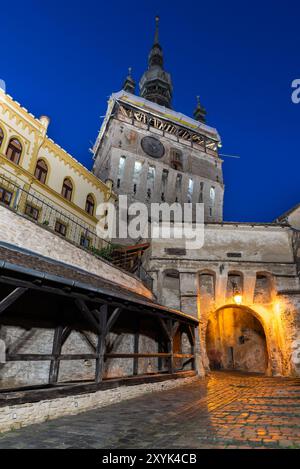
column 81, row 305
column 191, row 334
column 65, row 334
column 89, row 340
column 140, row 355
column 164, row 328
column 89, row 356
column 112, row 319
column 11, row 298
column 32, row 357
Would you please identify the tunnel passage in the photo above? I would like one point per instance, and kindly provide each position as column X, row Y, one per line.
column 235, row 340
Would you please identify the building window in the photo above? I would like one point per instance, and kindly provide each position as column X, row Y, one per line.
column 60, row 228
column 41, row 171
column 210, row 211
column 201, row 193
column 121, row 170
column 32, row 212
column 5, row 196
column 190, row 191
column 90, row 204
column 136, row 175
column 1, row 136
column 14, row 150
column 84, row 241
column 178, row 186
column 212, row 194
column 176, row 159
column 67, row 189
column 164, row 184
column 150, row 181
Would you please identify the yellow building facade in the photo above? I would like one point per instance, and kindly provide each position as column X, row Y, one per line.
column 42, row 181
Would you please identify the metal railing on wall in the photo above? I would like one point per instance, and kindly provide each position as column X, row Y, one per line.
column 35, row 206
column 62, row 222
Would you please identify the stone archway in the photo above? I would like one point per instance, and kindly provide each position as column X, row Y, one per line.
column 236, row 340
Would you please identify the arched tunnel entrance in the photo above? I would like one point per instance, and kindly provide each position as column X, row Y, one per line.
column 235, row 340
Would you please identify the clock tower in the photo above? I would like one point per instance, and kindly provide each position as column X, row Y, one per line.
column 153, row 153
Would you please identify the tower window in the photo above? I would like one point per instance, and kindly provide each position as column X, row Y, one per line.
column 176, row 159
column 121, row 170
column 178, row 186
column 150, row 181
column 201, row 193
column 212, row 194
column 14, row 150
column 136, row 175
column 164, row 184
column 190, row 191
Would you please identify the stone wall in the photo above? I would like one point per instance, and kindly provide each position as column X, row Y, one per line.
column 17, row 416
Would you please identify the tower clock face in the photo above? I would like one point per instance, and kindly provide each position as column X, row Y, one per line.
column 153, row 147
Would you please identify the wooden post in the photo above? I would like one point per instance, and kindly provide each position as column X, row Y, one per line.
column 171, row 347
column 193, row 348
column 11, row 298
column 160, row 360
column 100, row 351
column 56, row 351
column 136, row 348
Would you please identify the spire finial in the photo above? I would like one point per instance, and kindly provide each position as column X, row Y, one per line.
column 156, row 29
column 129, row 71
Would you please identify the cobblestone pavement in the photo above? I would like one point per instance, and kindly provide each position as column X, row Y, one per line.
column 224, row 410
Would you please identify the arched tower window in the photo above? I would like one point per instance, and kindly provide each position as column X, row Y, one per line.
column 207, row 287
column 41, row 171
column 90, row 204
column 263, row 288
column 235, row 285
column 14, row 150
column 67, row 189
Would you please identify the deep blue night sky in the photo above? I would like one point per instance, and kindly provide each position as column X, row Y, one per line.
column 64, row 59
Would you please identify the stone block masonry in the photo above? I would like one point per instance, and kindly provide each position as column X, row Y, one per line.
column 17, row 416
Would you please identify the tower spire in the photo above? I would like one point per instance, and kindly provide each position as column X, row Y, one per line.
column 200, row 112
column 156, row 83
column 129, row 83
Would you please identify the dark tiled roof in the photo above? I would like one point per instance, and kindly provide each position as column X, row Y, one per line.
column 42, row 264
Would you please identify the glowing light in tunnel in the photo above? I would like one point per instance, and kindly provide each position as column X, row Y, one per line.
column 238, row 299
